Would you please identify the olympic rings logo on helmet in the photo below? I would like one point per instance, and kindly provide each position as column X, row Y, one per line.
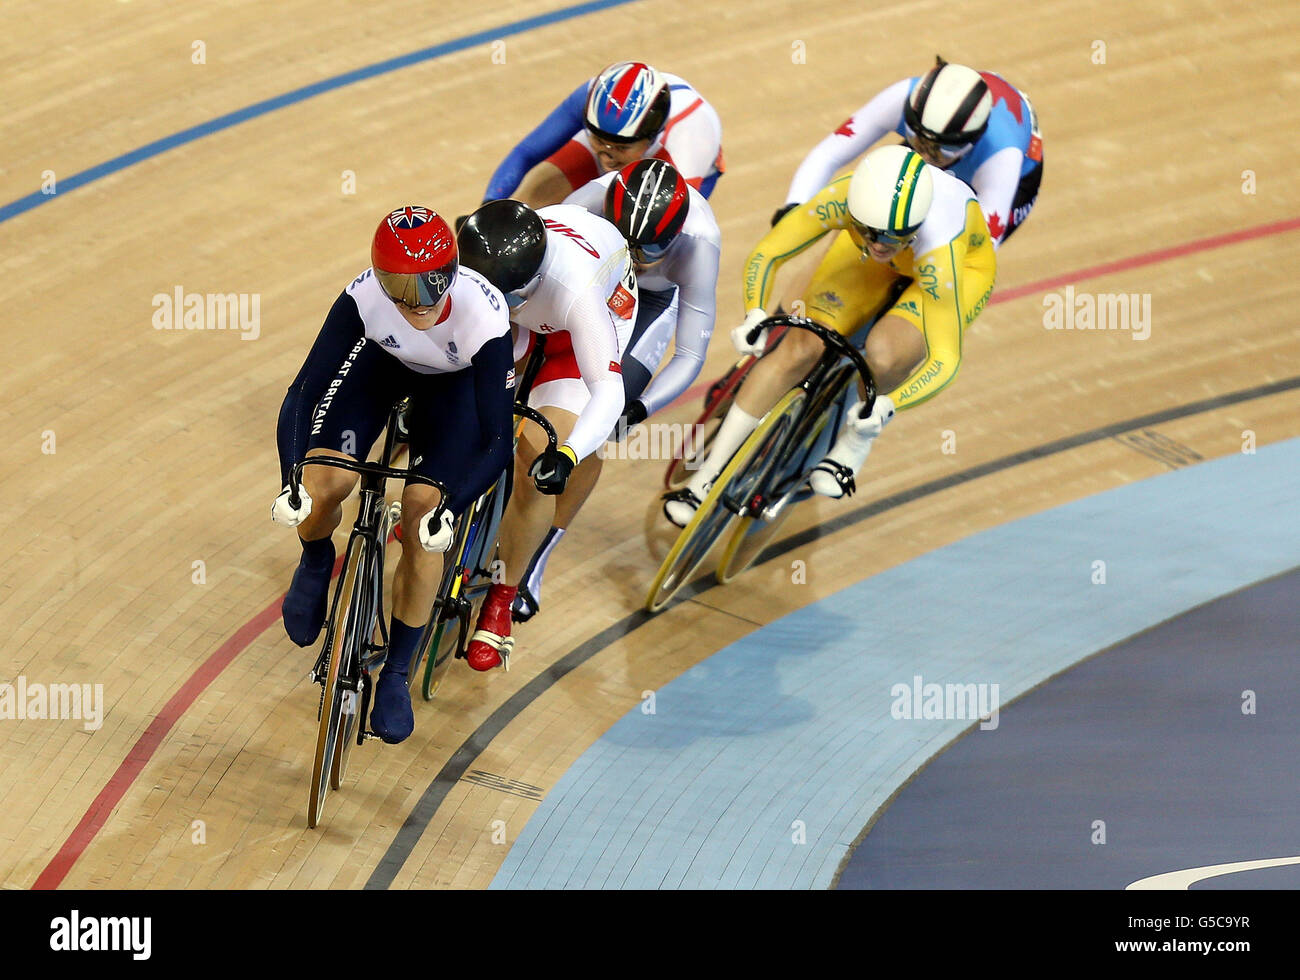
column 628, row 102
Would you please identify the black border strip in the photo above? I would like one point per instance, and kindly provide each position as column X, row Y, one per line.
column 417, row 821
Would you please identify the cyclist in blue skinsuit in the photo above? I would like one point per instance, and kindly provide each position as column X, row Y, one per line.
column 972, row 124
column 627, row 113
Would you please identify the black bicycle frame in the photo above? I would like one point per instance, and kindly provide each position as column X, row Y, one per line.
column 836, row 345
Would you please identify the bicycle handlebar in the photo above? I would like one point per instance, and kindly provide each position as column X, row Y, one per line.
column 533, row 415
column 388, row 472
column 365, row 469
column 831, row 339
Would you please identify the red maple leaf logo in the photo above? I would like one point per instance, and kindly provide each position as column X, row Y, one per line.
column 846, row 128
column 996, row 227
column 1002, row 92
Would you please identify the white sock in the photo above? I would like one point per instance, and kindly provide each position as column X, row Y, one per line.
column 733, row 432
column 851, row 450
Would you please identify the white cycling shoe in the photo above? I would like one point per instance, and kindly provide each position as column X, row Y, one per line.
column 680, row 505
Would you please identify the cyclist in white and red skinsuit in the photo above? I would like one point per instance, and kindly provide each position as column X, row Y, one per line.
column 568, row 278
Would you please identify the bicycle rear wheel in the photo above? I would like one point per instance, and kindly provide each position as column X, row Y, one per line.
column 332, row 713
column 448, row 588
column 737, row 482
column 442, row 651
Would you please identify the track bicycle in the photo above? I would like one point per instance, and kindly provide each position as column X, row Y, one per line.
column 768, row 475
column 356, row 633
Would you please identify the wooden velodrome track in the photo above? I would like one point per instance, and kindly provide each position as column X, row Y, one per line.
column 130, row 454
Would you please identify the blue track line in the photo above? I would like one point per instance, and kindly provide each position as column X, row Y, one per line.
column 157, row 147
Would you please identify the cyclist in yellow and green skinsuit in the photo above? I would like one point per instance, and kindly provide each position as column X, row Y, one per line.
column 895, row 216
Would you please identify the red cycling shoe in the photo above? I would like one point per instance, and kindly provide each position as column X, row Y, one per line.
column 491, row 643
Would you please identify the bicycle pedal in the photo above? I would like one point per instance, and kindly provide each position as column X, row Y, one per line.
column 507, row 645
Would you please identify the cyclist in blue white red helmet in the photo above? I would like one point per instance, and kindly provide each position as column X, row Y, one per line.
column 628, row 112
column 628, row 103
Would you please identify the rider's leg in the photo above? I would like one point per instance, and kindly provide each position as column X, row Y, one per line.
column 894, row 348
column 415, row 584
column 345, row 425
column 523, row 526
column 305, row 604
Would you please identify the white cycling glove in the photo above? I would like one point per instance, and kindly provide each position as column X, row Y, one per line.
column 740, row 335
column 881, row 412
column 283, row 513
column 437, row 536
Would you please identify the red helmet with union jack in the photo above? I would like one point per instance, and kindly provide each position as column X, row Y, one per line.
column 627, row 102
column 414, row 256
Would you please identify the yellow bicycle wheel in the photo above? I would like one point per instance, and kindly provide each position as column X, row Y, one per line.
column 720, row 505
column 754, row 532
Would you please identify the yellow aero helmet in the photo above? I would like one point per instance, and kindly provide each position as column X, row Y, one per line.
column 891, row 191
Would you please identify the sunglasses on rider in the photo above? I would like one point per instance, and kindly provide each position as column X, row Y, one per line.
column 877, row 237
column 944, row 151
column 648, row 254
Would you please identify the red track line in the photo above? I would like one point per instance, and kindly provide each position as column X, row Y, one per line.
column 1096, row 271
column 1149, row 258
column 109, row 797
column 148, row 743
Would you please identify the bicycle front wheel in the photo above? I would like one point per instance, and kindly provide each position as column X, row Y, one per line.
column 335, row 701
column 786, row 480
column 735, row 485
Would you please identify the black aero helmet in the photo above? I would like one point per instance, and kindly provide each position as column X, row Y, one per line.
column 648, row 202
column 505, row 242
